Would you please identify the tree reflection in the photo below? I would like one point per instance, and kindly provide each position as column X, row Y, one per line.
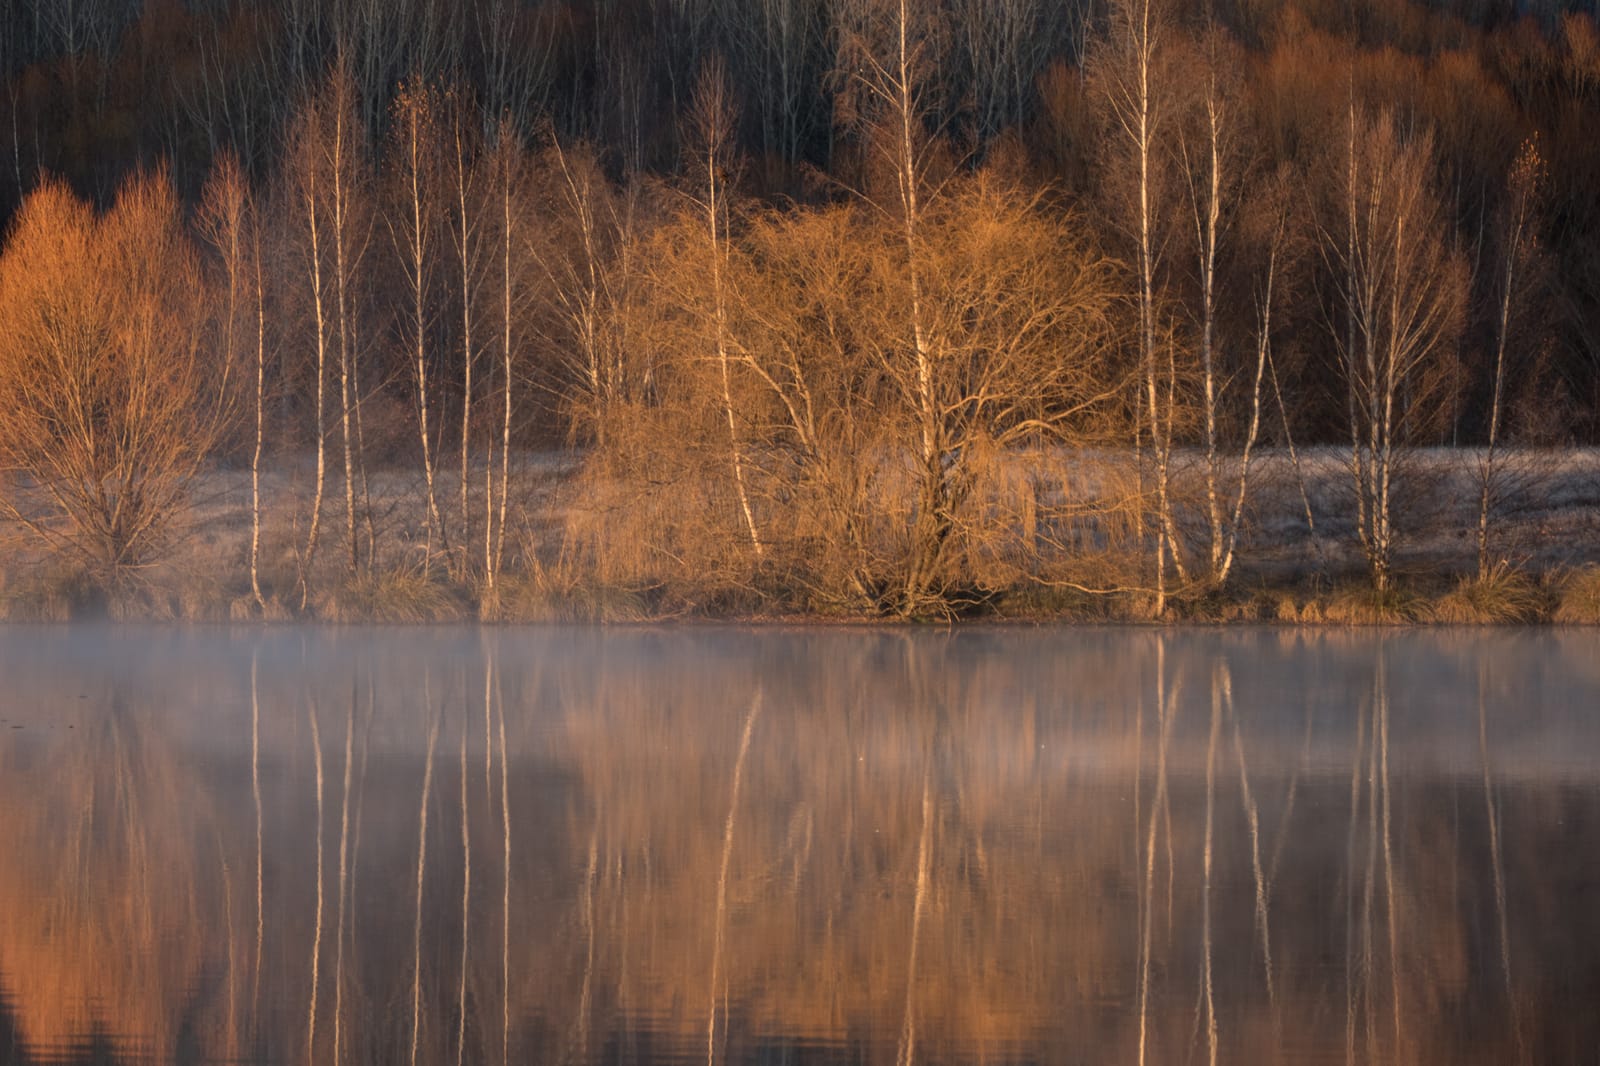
column 873, row 846
column 103, row 890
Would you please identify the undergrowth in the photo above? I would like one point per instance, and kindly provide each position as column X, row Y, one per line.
column 1504, row 596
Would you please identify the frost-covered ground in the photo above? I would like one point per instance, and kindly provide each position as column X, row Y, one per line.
column 1544, row 509
column 1544, row 519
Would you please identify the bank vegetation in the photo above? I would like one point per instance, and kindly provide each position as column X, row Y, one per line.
column 856, row 309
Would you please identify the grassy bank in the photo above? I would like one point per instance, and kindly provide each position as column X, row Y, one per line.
column 1300, row 562
column 173, row 593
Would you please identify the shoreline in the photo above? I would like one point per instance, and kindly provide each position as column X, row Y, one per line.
column 1543, row 566
column 1545, row 602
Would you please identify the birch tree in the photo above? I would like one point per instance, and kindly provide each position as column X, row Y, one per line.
column 348, row 173
column 465, row 227
column 711, row 123
column 307, row 184
column 326, row 160
column 887, row 56
column 508, row 167
column 585, row 253
column 414, row 148
column 1126, row 68
column 229, row 224
column 1401, row 288
column 1211, row 163
column 1516, row 266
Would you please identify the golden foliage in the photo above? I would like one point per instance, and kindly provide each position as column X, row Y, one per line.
column 111, row 402
column 829, row 402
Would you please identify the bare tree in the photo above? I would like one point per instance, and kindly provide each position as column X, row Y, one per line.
column 508, row 164
column 228, row 222
column 587, row 259
column 711, row 121
column 327, row 169
column 776, row 48
column 465, row 226
column 1517, row 232
column 797, row 280
column 344, row 147
column 1128, row 69
column 113, row 401
column 1211, row 163
column 887, row 56
column 414, row 148
column 1007, row 43
column 304, row 166
column 1278, row 242
column 518, row 64
column 1401, row 287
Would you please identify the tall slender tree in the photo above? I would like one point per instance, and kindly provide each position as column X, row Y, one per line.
column 1402, row 290
column 415, row 175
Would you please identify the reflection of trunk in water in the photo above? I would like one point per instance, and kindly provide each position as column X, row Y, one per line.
column 1492, row 812
column 1253, row 818
column 1217, row 683
column 908, row 1037
column 505, row 883
column 579, row 1049
column 255, row 793
column 488, row 729
column 231, row 1035
column 1351, row 957
column 1369, row 887
column 722, row 876
column 1391, row 903
column 344, row 879
column 1166, row 713
column 466, row 870
column 316, row 939
column 422, row 865
column 1361, row 964
column 933, row 701
column 352, row 931
column 1282, row 837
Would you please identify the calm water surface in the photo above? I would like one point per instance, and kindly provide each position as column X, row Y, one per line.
column 819, row 846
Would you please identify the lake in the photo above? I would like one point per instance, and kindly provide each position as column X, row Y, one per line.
column 849, row 845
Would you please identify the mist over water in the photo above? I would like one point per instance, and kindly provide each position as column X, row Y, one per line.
column 807, row 846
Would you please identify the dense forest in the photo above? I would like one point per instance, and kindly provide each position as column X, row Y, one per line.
column 613, row 308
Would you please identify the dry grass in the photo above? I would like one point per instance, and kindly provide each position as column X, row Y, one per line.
column 1363, row 605
column 398, row 595
column 245, row 609
column 1579, row 597
column 1285, row 607
column 51, row 591
column 1504, row 597
column 546, row 596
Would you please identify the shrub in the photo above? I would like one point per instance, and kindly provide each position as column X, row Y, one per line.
column 110, row 403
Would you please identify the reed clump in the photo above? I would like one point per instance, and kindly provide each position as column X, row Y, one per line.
column 1503, row 596
column 561, row 596
column 406, row 594
column 1579, row 597
column 1365, row 605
